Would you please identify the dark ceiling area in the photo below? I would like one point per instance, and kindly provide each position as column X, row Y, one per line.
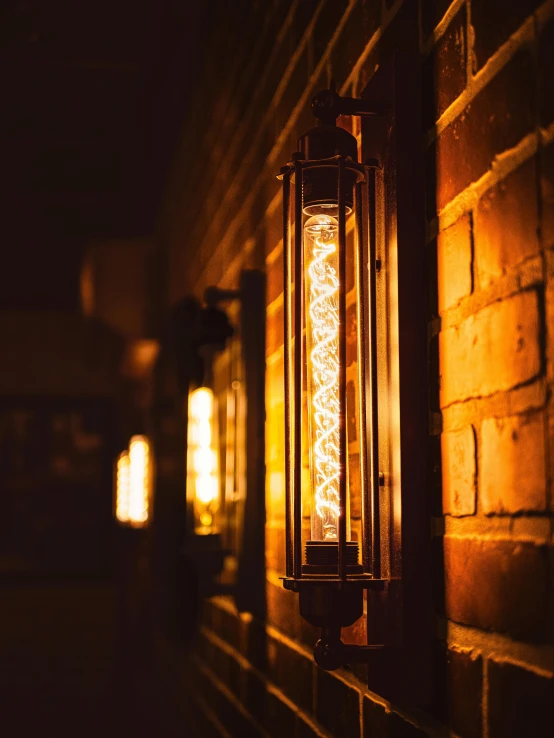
column 94, row 97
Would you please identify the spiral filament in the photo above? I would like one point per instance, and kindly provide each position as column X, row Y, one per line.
column 322, row 336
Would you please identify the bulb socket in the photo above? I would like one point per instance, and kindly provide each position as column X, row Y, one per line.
column 320, row 183
column 322, row 557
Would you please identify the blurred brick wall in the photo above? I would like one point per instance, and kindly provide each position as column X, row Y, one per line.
column 488, row 132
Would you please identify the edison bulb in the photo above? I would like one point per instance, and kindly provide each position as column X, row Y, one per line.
column 322, row 340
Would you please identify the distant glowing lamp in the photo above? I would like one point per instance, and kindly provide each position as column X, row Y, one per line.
column 326, row 268
column 123, row 488
column 203, row 460
column 140, row 481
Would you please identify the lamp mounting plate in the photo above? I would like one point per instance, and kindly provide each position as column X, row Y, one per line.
column 327, row 105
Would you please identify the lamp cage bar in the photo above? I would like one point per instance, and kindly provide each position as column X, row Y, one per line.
column 361, row 265
column 298, row 366
column 374, row 418
column 343, row 450
column 289, row 482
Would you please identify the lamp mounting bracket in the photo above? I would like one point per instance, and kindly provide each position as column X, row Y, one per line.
column 327, row 105
column 331, row 653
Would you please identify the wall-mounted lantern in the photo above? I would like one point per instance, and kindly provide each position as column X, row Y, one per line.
column 134, row 475
column 208, row 331
column 326, row 272
column 221, row 378
column 243, row 503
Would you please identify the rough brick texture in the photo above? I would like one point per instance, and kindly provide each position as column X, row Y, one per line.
column 454, row 263
column 506, row 224
column 546, row 66
column 493, row 23
column 499, row 585
column 458, row 472
column 520, row 702
column 445, row 69
column 547, row 196
column 473, row 362
column 496, row 120
column 464, row 683
column 517, row 483
column 337, row 706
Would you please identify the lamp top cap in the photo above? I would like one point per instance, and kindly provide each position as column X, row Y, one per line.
column 326, row 141
column 326, row 106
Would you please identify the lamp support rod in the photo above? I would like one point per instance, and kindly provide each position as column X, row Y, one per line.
column 215, row 295
column 327, row 105
column 331, row 653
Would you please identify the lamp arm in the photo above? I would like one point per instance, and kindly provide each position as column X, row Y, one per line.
column 327, row 105
column 331, row 653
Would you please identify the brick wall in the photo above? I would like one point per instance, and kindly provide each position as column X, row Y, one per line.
column 488, row 133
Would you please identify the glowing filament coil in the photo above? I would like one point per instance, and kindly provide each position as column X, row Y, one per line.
column 320, row 234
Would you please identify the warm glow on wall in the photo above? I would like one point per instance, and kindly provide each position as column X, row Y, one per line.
column 203, row 459
column 123, row 488
column 140, row 475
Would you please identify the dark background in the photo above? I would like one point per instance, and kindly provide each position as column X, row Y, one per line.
column 94, row 95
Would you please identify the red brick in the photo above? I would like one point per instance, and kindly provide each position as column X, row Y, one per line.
column 352, row 430
column 337, row 705
column 432, row 12
column 400, row 727
column 497, row 585
column 494, row 22
column 546, row 72
column 275, row 384
column 496, row 120
column 520, row 702
column 325, row 26
column 375, row 718
column 354, row 482
column 230, row 628
column 506, row 224
column 464, row 686
column 282, row 610
column 275, row 277
column 547, row 196
column 474, row 362
column 444, row 70
column 272, row 234
column 275, row 330
column 305, row 730
column 253, row 694
column 275, row 548
column 454, row 258
column 225, row 709
column 357, row 31
column 458, row 471
column 291, row 671
column 280, row 719
column 512, row 476
column 253, row 642
column 351, row 334
column 223, row 665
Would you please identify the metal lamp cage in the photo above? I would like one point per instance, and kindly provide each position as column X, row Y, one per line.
column 349, row 184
